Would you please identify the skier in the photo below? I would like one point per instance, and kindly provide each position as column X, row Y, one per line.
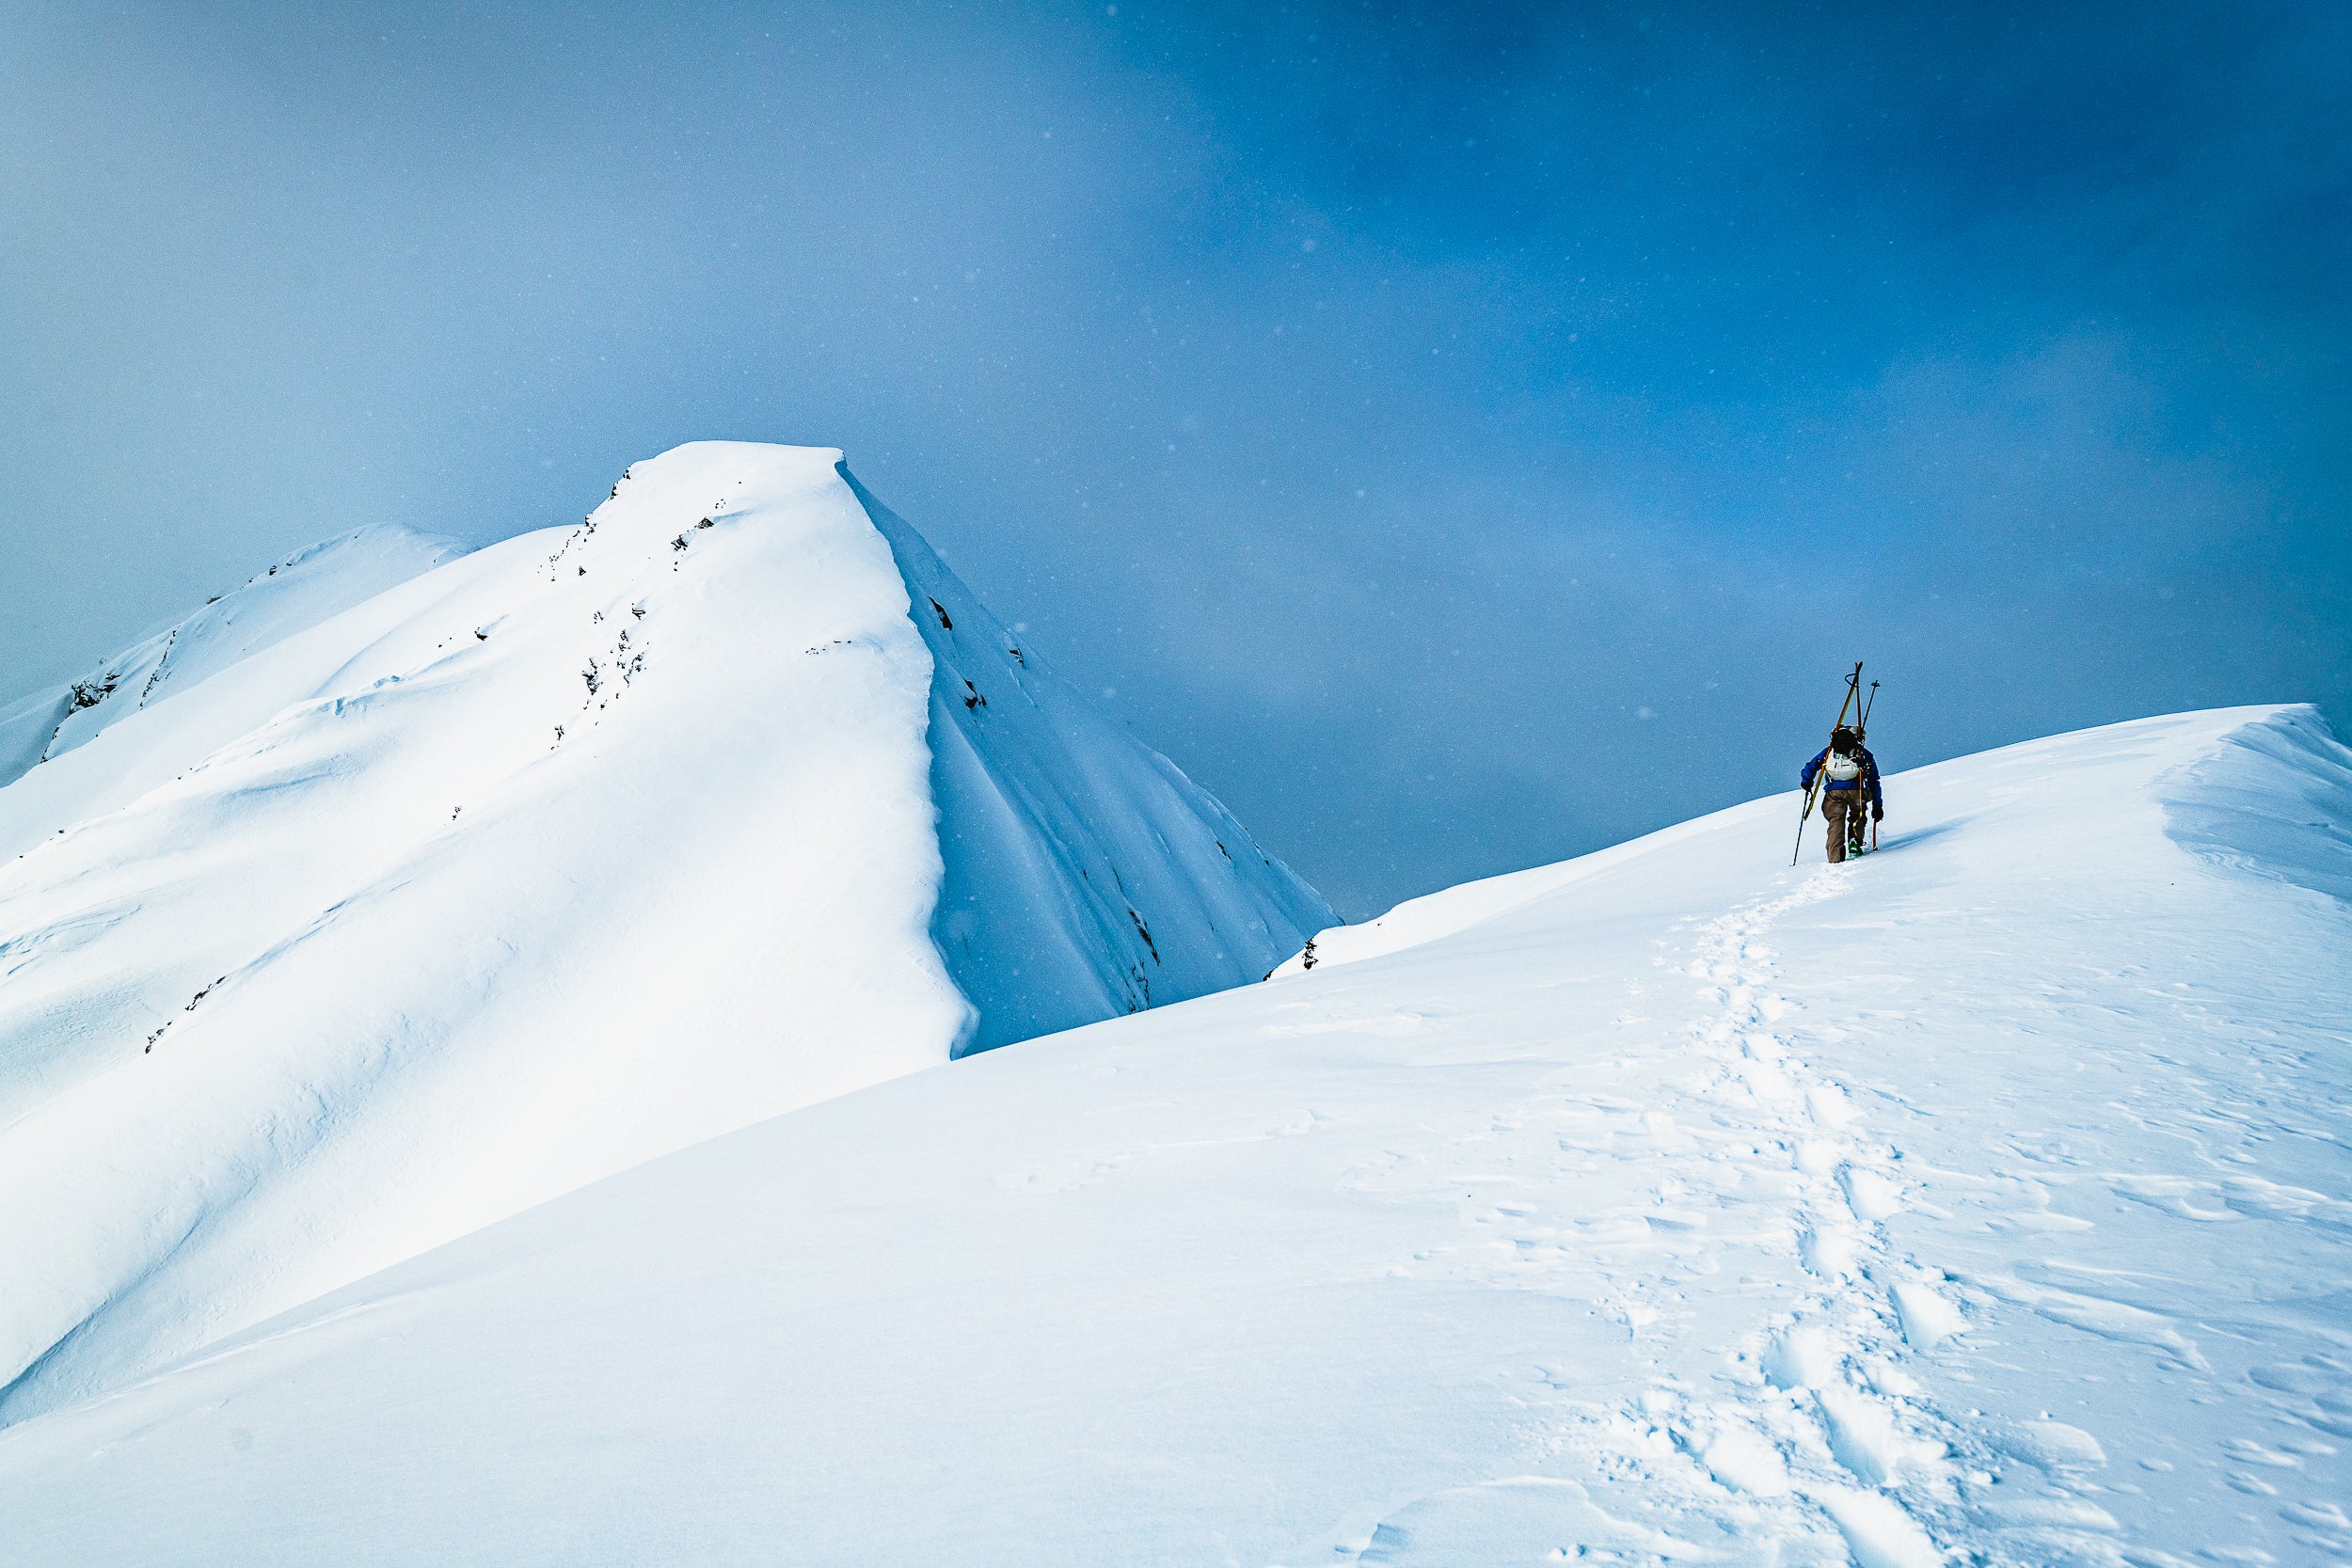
column 1850, row 777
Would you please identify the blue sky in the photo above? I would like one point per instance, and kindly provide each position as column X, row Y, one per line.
column 1462, row 437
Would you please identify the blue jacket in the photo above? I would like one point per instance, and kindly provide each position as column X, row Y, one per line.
column 1868, row 782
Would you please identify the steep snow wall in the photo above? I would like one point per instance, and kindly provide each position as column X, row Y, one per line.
column 1061, row 835
column 561, row 856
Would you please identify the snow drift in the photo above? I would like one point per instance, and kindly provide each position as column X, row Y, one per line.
column 1983, row 1201
column 436, row 902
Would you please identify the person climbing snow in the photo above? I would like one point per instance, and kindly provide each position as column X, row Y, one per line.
column 1849, row 778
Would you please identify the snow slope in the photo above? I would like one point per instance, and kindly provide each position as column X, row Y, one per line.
column 1058, row 833
column 1983, row 1201
column 294, row 595
column 563, row 855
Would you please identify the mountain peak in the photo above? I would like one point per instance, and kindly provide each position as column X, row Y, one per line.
column 559, row 856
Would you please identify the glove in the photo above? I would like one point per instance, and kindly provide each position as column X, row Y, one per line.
column 1878, row 814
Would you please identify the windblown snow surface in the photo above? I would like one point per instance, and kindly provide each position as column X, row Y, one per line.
column 294, row 595
column 392, row 913
column 1983, row 1201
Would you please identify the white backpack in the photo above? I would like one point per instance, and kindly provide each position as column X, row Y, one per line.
column 1845, row 769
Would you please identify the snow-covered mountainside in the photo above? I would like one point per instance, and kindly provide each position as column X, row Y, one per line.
column 292, row 595
column 1059, row 833
column 1984, row 1200
column 551, row 858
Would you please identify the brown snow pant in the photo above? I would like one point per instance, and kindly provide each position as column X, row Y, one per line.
column 1838, row 808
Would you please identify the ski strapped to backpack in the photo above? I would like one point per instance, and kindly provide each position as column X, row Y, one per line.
column 1854, row 689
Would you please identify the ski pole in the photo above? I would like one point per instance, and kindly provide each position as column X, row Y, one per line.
column 1864, row 723
column 1803, row 817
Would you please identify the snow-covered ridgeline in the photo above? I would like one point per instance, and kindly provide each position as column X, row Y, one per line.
column 292, row 595
column 1984, row 1200
column 558, row 857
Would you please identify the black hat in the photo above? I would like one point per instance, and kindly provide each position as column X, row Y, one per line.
column 1841, row 740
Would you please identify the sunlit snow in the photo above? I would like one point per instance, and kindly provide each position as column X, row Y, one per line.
column 1985, row 1196
column 1984, row 1199
column 445, row 899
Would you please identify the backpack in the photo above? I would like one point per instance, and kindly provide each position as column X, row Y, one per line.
column 1842, row 770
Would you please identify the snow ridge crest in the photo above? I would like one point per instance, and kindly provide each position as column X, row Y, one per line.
column 556, row 858
column 2273, row 800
